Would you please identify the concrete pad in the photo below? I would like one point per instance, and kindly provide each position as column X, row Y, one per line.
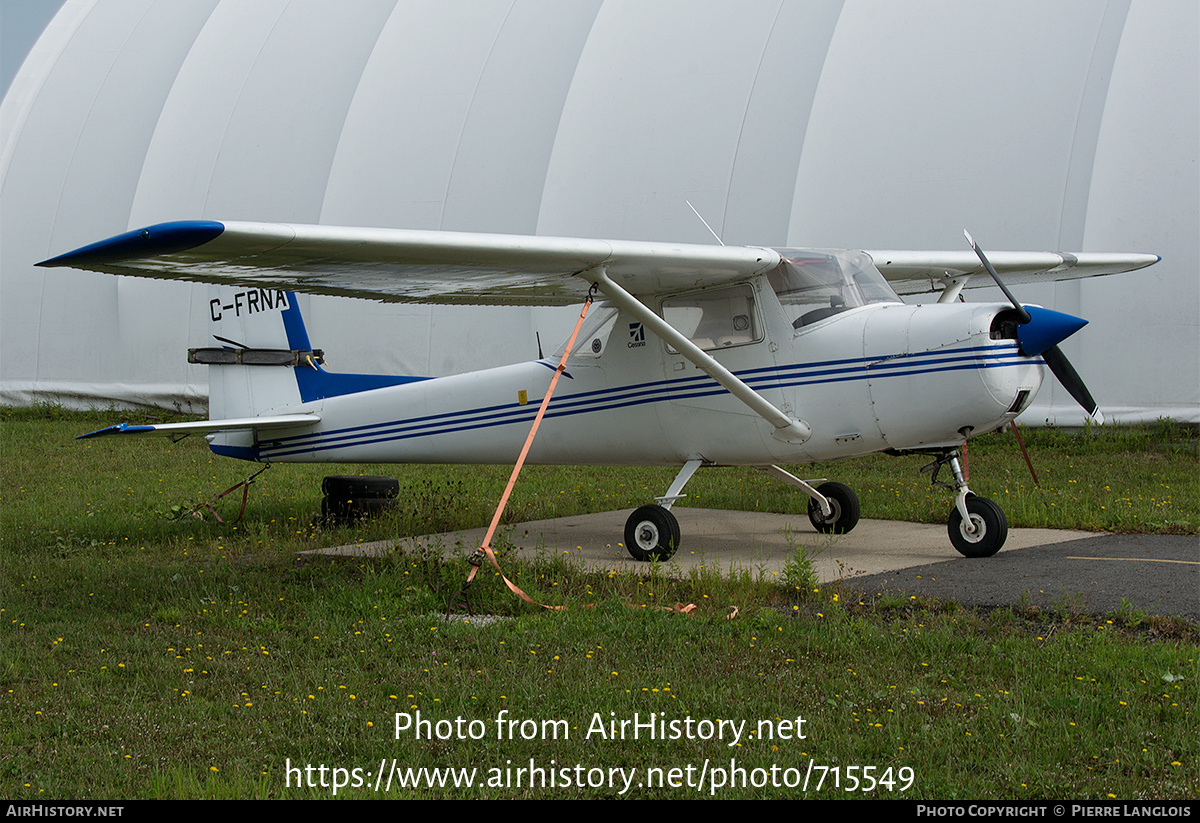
column 725, row 540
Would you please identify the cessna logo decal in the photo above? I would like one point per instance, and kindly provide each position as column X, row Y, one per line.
column 248, row 302
column 637, row 336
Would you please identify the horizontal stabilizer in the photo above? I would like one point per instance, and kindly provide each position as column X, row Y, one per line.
column 177, row 430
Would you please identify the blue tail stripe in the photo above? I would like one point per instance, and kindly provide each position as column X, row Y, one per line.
column 313, row 381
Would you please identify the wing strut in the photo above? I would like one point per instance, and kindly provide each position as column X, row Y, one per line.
column 787, row 429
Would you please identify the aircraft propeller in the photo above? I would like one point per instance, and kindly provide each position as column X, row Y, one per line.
column 1039, row 331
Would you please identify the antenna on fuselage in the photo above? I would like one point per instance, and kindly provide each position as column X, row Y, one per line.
column 705, row 222
column 231, row 342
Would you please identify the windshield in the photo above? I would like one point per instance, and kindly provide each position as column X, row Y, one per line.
column 814, row 285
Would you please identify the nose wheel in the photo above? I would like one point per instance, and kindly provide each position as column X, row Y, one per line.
column 651, row 533
column 986, row 533
column 977, row 527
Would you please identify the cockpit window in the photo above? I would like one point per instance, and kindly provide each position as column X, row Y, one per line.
column 714, row 319
column 815, row 285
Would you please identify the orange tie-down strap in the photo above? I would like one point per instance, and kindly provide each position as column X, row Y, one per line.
column 486, row 547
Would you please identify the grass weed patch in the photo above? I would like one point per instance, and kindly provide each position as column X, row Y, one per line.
column 145, row 656
column 208, row 680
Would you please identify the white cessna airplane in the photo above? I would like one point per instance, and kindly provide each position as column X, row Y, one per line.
column 695, row 355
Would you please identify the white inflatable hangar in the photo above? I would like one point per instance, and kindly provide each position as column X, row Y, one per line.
column 1037, row 124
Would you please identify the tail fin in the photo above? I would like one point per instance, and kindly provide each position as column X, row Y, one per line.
column 249, row 325
column 267, row 365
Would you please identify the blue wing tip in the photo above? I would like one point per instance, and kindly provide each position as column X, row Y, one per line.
column 120, row 428
column 161, row 238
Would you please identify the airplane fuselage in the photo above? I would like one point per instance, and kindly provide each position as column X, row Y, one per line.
column 881, row 376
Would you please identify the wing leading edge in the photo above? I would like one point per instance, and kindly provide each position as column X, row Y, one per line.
column 401, row 265
column 917, row 272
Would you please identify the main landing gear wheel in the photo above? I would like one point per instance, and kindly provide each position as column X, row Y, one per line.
column 651, row 533
column 844, row 503
column 991, row 528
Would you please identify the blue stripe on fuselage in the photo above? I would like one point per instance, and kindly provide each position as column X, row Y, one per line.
column 832, row 371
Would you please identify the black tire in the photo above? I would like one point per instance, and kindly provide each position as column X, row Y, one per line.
column 845, row 513
column 344, row 512
column 991, row 523
column 651, row 533
column 346, row 486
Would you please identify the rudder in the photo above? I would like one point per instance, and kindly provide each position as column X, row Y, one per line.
column 252, row 342
column 259, row 328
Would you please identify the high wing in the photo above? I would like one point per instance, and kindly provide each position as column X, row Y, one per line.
column 401, row 265
column 917, row 272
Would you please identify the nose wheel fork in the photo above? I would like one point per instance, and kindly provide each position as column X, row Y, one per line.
column 977, row 526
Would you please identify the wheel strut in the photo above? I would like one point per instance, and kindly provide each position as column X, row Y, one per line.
column 960, row 488
column 652, row 532
column 832, row 507
column 977, row 526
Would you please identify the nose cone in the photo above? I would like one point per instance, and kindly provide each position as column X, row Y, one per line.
column 1046, row 329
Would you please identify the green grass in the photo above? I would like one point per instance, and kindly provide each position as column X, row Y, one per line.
column 1142, row 480
column 143, row 655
